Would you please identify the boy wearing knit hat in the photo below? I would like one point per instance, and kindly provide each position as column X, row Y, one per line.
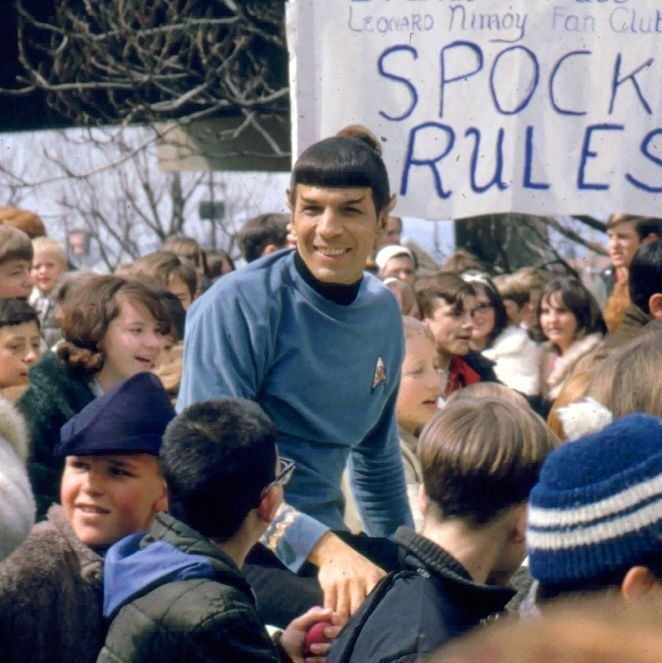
column 50, row 588
column 595, row 520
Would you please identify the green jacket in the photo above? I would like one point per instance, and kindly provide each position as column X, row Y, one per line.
column 54, row 396
column 173, row 595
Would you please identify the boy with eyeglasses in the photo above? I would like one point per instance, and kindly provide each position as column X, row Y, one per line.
column 177, row 593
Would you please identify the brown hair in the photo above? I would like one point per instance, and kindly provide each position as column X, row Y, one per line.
column 572, row 391
column 450, row 287
column 187, row 248
column 23, row 220
column 88, row 310
column 461, row 261
column 489, row 390
column 628, row 381
column 618, row 219
column 161, row 266
column 480, row 456
column 14, row 245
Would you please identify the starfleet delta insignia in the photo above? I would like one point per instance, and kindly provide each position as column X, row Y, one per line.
column 380, row 374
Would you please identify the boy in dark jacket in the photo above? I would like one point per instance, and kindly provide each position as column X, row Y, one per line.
column 177, row 593
column 480, row 458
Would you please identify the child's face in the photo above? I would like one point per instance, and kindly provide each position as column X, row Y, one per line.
column 106, row 498
column 132, row 343
column 420, row 386
column 451, row 325
column 19, row 349
column 15, row 279
column 46, row 268
column 178, row 288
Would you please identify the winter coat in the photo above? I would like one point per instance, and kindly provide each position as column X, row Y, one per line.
column 17, row 507
column 54, row 396
column 418, row 608
column 554, row 377
column 173, row 595
column 634, row 321
column 50, row 597
column 517, row 359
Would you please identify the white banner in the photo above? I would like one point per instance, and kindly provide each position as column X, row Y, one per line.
column 483, row 106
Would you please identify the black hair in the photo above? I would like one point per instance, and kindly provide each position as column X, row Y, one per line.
column 257, row 233
column 578, row 300
column 175, row 311
column 16, row 312
column 217, row 259
column 649, row 226
column 342, row 161
column 216, row 459
column 482, row 280
column 645, row 274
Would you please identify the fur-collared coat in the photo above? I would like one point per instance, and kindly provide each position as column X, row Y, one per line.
column 554, row 375
column 50, row 597
column 17, row 507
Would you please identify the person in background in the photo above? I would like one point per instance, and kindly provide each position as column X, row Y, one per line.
column 219, row 263
column 113, row 328
column 420, row 388
column 17, row 507
column 461, row 261
column 177, row 592
column 15, row 263
column 170, row 363
column 520, row 293
column 263, row 235
column 20, row 346
column 111, row 487
column 480, row 459
column 571, row 321
column 396, row 261
column 49, row 264
column 594, row 521
column 515, row 355
column 405, row 295
column 170, row 272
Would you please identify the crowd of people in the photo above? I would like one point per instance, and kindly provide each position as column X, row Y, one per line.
column 329, row 453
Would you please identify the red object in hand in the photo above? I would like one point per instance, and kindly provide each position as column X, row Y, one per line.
column 315, row 635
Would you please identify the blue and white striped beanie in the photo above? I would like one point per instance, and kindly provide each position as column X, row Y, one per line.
column 597, row 506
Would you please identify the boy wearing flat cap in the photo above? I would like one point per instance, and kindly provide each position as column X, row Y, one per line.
column 51, row 587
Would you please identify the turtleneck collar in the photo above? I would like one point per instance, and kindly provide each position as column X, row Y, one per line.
column 338, row 293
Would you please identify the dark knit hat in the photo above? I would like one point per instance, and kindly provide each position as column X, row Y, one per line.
column 597, row 507
column 130, row 418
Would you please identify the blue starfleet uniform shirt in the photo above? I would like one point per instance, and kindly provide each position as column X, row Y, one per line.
column 327, row 374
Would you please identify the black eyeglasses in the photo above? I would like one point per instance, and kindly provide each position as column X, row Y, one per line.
column 482, row 308
column 284, row 473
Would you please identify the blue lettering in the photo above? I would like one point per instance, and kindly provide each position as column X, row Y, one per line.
column 552, row 78
column 587, row 154
column 431, row 163
column 405, row 81
column 616, row 83
column 528, row 183
column 534, row 81
column 444, row 81
column 655, row 159
column 497, row 178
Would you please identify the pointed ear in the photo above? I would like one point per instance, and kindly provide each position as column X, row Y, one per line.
column 288, row 200
column 161, row 503
column 638, row 581
column 391, row 204
column 267, row 508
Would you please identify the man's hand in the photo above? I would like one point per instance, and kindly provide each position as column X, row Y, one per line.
column 345, row 576
column 293, row 638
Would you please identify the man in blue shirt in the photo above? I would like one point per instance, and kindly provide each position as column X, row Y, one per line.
column 318, row 344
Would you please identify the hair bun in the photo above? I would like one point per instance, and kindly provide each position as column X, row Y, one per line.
column 363, row 134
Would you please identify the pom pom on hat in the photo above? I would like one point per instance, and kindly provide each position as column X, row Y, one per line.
column 597, row 507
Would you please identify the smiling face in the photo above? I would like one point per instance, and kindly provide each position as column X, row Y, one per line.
column 19, row 349
column 132, row 344
column 420, row 386
column 15, row 279
column 46, row 268
column 452, row 325
column 557, row 321
column 336, row 229
column 623, row 244
column 106, row 498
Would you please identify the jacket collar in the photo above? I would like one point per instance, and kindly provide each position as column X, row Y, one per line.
column 421, row 553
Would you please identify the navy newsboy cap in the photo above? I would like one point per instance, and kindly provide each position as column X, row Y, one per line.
column 130, row 418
